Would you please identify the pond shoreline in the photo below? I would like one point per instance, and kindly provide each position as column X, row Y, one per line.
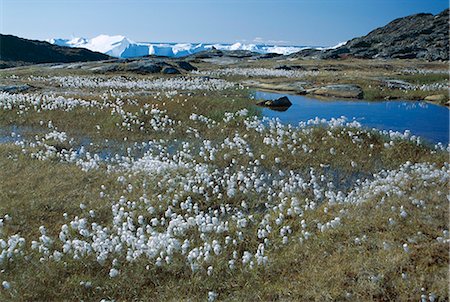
column 397, row 115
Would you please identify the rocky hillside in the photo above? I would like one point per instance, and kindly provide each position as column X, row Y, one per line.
column 420, row 36
column 17, row 51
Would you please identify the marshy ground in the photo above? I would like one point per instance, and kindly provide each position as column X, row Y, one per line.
column 121, row 186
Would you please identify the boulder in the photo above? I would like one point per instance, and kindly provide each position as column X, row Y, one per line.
column 436, row 98
column 283, row 67
column 14, row 88
column 340, row 91
column 295, row 87
column 397, row 84
column 186, row 66
column 269, row 55
column 106, row 68
column 143, row 67
column 240, row 53
column 206, row 54
column 282, row 102
column 170, row 70
column 306, row 53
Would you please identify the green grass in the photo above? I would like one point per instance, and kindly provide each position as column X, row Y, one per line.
column 421, row 79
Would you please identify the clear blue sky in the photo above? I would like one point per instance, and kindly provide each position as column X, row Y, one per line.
column 296, row 22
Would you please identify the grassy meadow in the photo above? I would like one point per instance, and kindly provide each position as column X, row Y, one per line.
column 162, row 188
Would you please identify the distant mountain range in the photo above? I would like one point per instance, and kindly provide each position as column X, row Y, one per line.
column 122, row 47
column 16, row 51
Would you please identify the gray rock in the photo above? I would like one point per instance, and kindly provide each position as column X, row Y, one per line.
column 283, row 67
column 106, row 68
column 294, row 87
column 436, row 98
column 170, row 70
column 340, row 91
column 306, row 53
column 420, row 36
column 240, row 54
column 14, row 88
column 268, row 56
column 186, row 66
column 206, row 54
column 397, row 84
column 142, row 67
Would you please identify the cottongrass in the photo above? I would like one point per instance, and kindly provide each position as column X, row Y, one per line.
column 171, row 84
column 227, row 193
column 139, row 230
column 257, row 72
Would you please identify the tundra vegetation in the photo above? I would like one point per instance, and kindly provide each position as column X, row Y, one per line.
column 119, row 187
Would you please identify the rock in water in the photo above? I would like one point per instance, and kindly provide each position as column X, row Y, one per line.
column 340, row 90
column 281, row 104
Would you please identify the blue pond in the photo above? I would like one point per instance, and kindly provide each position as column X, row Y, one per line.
column 429, row 121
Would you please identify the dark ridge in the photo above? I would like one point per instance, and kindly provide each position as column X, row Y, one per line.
column 420, row 36
column 15, row 51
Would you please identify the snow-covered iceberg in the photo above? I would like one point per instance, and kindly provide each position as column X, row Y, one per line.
column 122, row 47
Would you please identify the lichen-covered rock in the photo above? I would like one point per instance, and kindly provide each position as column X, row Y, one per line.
column 340, row 91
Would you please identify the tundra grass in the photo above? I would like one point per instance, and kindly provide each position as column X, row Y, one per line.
column 393, row 245
column 348, row 263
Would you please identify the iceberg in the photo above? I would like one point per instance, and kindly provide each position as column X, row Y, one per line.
column 121, row 47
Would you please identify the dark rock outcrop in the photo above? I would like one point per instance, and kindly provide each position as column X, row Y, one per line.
column 170, row 70
column 186, row 66
column 283, row 67
column 14, row 88
column 269, row 55
column 420, row 36
column 215, row 53
column 143, row 67
column 206, row 54
column 15, row 49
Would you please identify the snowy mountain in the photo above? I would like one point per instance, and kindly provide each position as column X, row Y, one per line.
column 122, row 47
